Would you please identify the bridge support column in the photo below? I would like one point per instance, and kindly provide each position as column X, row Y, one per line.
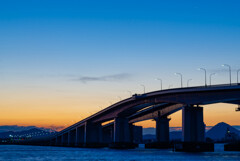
column 107, row 133
column 137, row 134
column 71, row 137
column 193, row 131
column 162, row 129
column 58, row 140
column 79, row 136
column 122, row 137
column 92, row 135
column 65, row 139
column 121, row 131
column 192, row 124
column 162, row 134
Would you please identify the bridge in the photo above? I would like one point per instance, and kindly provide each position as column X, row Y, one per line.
column 113, row 126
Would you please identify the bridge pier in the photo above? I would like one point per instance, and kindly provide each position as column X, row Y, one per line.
column 121, row 131
column 71, row 137
column 122, row 135
column 193, row 126
column 162, row 129
column 137, row 134
column 79, row 136
column 107, row 133
column 162, row 134
column 65, row 139
column 58, row 140
column 193, row 131
column 92, row 135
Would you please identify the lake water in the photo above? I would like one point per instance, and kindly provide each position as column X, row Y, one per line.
column 39, row 153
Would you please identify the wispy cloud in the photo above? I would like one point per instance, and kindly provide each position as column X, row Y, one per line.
column 223, row 70
column 109, row 78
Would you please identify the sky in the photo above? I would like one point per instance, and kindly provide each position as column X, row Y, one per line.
column 61, row 61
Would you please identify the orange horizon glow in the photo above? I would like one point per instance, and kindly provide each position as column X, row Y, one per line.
column 64, row 117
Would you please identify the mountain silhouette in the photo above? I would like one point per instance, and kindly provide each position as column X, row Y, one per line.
column 31, row 133
column 218, row 132
column 16, row 128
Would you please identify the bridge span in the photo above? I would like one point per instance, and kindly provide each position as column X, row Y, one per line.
column 114, row 125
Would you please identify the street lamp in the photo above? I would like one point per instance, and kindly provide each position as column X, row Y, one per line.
column 229, row 67
column 205, row 72
column 188, row 82
column 210, row 78
column 180, row 77
column 160, row 82
column 237, row 74
column 143, row 87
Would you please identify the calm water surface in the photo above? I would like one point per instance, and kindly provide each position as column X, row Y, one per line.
column 26, row 153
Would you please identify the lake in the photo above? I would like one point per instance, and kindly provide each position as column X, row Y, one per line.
column 39, row 153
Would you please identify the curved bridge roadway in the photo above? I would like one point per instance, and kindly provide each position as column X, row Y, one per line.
column 154, row 105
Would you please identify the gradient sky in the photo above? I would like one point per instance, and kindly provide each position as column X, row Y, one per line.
column 61, row 61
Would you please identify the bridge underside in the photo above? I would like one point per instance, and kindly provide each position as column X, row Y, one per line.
column 156, row 105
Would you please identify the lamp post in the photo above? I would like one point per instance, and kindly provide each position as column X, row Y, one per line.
column 180, row 77
column 229, row 67
column 160, row 82
column 143, row 87
column 205, row 72
column 188, row 82
column 237, row 74
column 210, row 78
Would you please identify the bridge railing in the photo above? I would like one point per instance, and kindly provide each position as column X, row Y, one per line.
column 140, row 96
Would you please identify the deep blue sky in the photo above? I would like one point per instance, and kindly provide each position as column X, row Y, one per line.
column 79, row 50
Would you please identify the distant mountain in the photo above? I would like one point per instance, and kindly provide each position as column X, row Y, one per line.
column 30, row 133
column 149, row 137
column 175, row 135
column 236, row 127
column 152, row 130
column 219, row 131
column 216, row 133
column 149, row 130
column 150, row 133
column 16, row 128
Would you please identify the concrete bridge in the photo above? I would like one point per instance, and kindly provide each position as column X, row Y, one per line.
column 113, row 126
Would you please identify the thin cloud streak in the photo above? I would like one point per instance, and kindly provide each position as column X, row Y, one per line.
column 225, row 70
column 108, row 78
